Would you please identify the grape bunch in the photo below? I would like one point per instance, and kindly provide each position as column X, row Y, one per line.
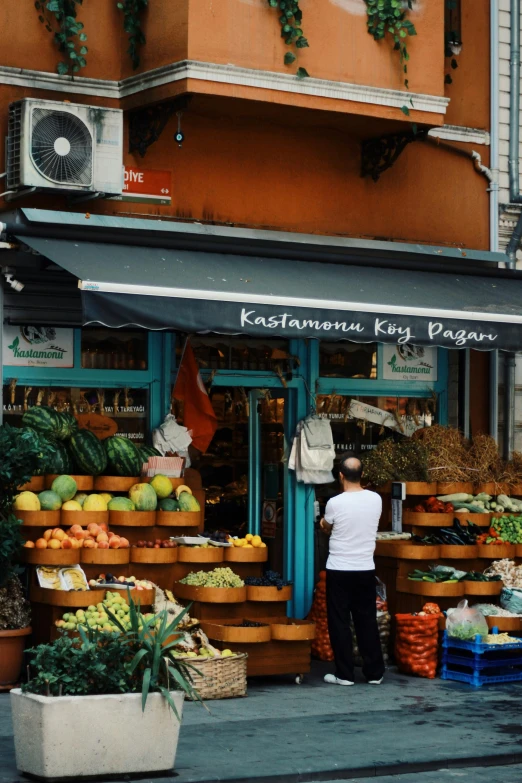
column 219, row 577
column 249, row 624
column 218, row 536
column 270, row 579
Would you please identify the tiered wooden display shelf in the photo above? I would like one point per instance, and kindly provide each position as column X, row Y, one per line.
column 280, row 646
column 396, row 559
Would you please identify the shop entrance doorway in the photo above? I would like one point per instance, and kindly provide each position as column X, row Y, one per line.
column 243, row 468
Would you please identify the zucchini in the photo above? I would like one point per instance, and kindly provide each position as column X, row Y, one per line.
column 468, row 507
column 483, row 497
column 457, row 497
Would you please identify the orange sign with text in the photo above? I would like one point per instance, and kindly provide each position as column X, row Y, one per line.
column 102, row 426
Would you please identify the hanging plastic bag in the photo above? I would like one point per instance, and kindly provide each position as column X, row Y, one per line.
column 465, row 622
column 511, row 599
column 382, row 597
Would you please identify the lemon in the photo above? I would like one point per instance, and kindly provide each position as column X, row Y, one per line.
column 27, row 501
column 249, row 537
column 256, row 541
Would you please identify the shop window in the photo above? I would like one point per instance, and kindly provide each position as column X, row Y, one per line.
column 127, row 408
column 347, row 360
column 222, row 353
column 352, row 432
column 114, row 349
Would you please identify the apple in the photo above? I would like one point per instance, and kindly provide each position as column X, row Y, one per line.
column 88, row 543
column 54, row 543
column 102, row 537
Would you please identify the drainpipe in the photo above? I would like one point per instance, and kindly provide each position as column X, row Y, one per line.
column 493, row 194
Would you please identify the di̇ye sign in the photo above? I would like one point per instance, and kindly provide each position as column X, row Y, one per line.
column 146, row 186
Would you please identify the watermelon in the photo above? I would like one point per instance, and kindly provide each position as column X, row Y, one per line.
column 61, row 461
column 143, row 497
column 49, row 500
column 42, row 419
column 188, row 502
column 65, row 487
column 148, row 451
column 123, row 456
column 66, row 425
column 121, row 504
column 169, row 504
column 88, row 453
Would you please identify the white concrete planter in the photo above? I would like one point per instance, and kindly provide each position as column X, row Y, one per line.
column 73, row 736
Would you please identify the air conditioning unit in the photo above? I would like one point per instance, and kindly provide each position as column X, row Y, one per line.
column 64, row 147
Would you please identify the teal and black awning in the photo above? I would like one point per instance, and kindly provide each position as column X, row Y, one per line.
column 227, row 293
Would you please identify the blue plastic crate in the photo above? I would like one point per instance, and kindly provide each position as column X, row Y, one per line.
column 478, row 678
column 476, row 646
column 479, row 662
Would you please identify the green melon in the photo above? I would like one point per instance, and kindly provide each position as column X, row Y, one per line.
column 143, row 497
column 169, row 504
column 121, row 504
column 80, row 498
column 49, row 500
column 65, row 487
column 188, row 502
column 88, row 453
column 123, row 456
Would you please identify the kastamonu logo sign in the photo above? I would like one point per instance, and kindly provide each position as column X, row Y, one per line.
column 38, row 346
column 409, row 362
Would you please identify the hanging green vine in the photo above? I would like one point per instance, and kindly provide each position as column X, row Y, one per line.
column 59, row 18
column 290, row 21
column 390, row 16
column 132, row 11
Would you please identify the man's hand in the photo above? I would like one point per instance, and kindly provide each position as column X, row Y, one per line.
column 325, row 527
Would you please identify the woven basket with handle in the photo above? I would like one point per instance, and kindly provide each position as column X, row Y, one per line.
column 220, row 678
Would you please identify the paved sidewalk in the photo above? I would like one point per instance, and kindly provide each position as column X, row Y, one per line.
column 294, row 734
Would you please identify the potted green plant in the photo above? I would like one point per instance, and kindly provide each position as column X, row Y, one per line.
column 22, row 453
column 125, row 686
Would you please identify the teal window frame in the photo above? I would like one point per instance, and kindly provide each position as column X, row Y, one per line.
column 156, row 378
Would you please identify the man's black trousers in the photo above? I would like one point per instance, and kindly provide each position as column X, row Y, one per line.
column 352, row 594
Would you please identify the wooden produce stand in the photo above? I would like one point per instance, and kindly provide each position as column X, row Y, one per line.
column 394, row 560
column 280, row 646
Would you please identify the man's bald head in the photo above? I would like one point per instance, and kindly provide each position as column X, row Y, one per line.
column 351, row 468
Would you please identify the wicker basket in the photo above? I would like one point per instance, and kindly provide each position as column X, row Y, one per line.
column 220, row 678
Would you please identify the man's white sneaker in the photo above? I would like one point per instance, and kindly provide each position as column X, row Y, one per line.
column 375, row 682
column 331, row 679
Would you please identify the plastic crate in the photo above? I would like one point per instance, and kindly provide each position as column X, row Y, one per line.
column 476, row 646
column 480, row 678
column 479, row 662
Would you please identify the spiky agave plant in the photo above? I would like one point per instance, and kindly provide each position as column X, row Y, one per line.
column 151, row 642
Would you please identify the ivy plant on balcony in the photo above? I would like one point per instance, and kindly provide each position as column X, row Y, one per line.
column 390, row 17
column 60, row 18
column 132, row 15
column 290, row 20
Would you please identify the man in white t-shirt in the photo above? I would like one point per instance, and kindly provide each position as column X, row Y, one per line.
column 351, row 519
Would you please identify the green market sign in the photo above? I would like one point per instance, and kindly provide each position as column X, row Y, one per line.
column 38, row 346
column 409, row 363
